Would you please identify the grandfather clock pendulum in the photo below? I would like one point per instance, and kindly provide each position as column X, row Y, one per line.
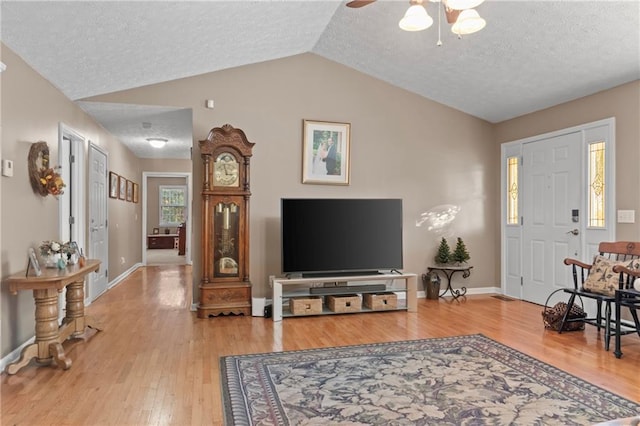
column 225, row 287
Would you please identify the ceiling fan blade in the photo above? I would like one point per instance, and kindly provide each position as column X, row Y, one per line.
column 359, row 3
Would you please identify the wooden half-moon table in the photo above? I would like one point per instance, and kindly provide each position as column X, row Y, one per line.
column 49, row 337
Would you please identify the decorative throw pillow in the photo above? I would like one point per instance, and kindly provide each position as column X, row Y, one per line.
column 602, row 279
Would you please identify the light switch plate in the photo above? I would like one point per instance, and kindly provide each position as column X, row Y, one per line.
column 626, row 216
column 7, row 168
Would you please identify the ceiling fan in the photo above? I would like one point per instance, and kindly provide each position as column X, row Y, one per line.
column 460, row 13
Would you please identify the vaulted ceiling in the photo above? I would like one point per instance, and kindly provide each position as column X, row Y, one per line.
column 531, row 55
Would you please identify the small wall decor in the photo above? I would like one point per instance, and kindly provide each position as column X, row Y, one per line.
column 122, row 192
column 44, row 178
column 135, row 192
column 129, row 190
column 113, row 185
column 325, row 152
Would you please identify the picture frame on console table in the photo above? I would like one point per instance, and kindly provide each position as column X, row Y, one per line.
column 326, row 152
column 33, row 263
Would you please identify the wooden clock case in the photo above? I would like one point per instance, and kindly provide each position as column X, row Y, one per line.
column 225, row 288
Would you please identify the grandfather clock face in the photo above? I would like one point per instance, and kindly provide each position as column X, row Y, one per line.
column 226, row 238
column 226, row 170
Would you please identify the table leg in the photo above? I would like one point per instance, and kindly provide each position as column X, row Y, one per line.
column 277, row 301
column 46, row 347
column 412, row 298
column 27, row 354
column 75, row 319
column 454, row 292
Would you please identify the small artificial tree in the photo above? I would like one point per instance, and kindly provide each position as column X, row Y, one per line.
column 444, row 252
column 460, row 254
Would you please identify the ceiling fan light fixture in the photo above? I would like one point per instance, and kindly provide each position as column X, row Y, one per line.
column 468, row 22
column 415, row 19
column 463, row 4
column 157, row 142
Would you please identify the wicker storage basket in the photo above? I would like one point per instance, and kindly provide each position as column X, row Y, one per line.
column 344, row 303
column 380, row 301
column 305, row 305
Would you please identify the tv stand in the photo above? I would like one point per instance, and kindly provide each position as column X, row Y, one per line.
column 338, row 274
column 285, row 288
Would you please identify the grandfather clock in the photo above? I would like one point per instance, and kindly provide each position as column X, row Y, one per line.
column 225, row 287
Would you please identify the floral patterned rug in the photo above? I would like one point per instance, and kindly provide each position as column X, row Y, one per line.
column 464, row 380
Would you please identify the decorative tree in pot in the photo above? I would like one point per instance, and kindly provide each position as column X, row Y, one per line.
column 444, row 253
column 460, row 254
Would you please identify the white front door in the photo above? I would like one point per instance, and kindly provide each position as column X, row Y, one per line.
column 551, row 210
column 98, row 232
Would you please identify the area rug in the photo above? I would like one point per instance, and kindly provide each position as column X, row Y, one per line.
column 464, row 380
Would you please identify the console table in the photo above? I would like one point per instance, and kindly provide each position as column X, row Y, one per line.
column 448, row 272
column 49, row 337
column 161, row 241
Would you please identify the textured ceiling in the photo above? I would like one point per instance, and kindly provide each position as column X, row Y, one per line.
column 532, row 54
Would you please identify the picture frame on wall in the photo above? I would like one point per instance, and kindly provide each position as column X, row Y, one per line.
column 326, row 152
column 122, row 184
column 129, row 190
column 135, row 192
column 113, row 185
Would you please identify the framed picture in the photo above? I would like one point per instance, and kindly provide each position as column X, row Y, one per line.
column 129, row 190
column 325, row 152
column 135, row 192
column 113, row 185
column 156, row 231
column 33, row 263
column 122, row 183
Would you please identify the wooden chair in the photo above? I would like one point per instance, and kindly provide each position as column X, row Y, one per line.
column 630, row 298
column 615, row 251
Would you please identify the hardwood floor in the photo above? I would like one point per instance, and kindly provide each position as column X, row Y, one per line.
column 156, row 363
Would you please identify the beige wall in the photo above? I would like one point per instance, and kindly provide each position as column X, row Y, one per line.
column 622, row 103
column 31, row 111
column 402, row 146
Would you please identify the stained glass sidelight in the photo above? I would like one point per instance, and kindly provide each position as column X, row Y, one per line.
column 512, row 191
column 597, row 185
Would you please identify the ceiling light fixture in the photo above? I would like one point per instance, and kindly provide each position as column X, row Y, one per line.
column 468, row 22
column 460, row 13
column 157, row 142
column 416, row 18
column 464, row 4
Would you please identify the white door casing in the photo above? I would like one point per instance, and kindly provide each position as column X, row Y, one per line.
column 98, row 231
column 188, row 181
column 71, row 206
column 534, row 262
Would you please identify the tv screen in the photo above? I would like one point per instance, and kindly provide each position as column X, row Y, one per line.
column 334, row 236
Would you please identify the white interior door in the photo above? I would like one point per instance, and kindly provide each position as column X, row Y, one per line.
column 98, row 232
column 552, row 212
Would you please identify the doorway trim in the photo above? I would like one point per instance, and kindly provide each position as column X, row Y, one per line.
column 71, row 150
column 509, row 269
column 189, row 183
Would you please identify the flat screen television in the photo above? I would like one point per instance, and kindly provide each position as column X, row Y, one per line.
column 325, row 237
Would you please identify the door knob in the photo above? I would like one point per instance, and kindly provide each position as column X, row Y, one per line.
column 574, row 232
